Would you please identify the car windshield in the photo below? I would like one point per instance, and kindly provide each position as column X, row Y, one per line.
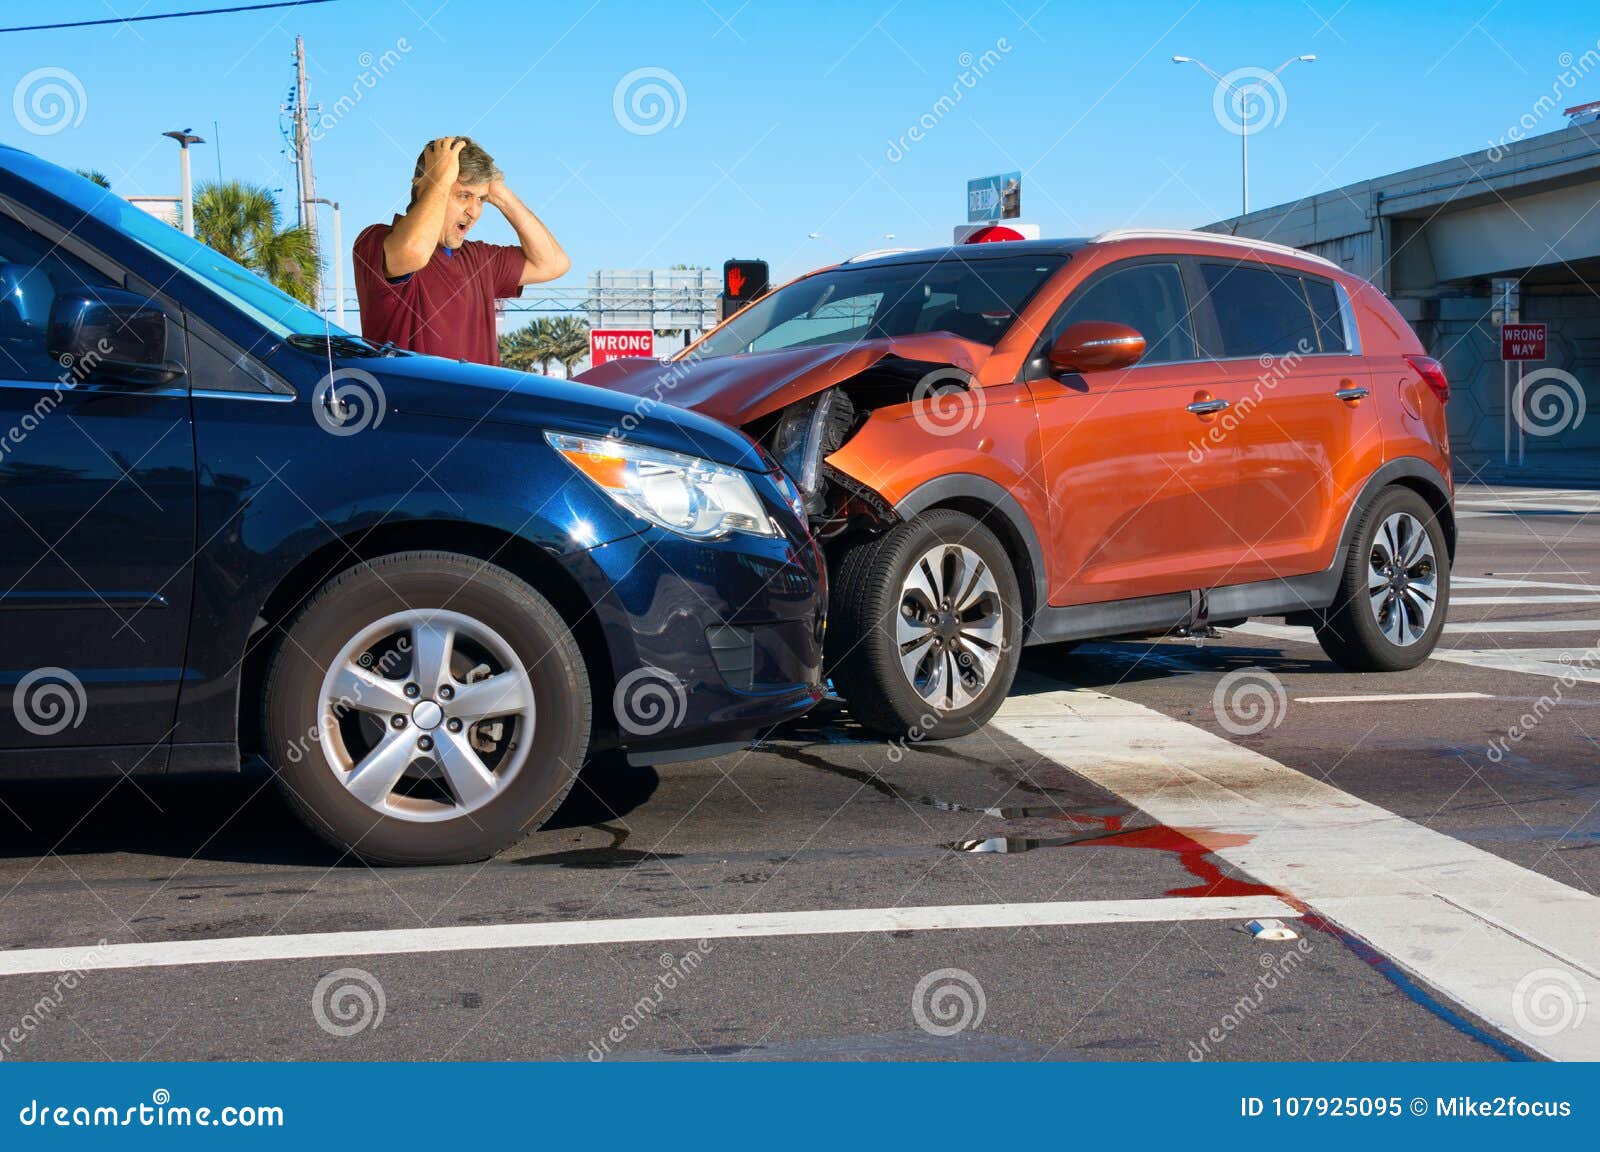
column 275, row 310
column 974, row 299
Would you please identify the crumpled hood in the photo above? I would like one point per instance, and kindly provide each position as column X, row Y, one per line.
column 741, row 388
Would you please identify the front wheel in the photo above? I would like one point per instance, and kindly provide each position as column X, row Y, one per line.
column 925, row 638
column 426, row 708
column 1394, row 590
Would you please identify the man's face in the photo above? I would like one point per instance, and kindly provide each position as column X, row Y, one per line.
column 461, row 212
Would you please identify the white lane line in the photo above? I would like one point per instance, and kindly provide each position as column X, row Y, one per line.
column 1454, row 628
column 1392, row 697
column 1591, row 599
column 633, row 931
column 1470, row 924
column 1467, row 626
column 1574, row 572
column 1546, row 663
column 1530, row 584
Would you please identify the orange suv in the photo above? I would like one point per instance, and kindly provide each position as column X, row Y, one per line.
column 1146, row 433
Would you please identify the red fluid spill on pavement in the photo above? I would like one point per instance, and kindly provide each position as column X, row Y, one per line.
column 1193, row 848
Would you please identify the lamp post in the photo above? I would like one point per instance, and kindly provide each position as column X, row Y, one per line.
column 338, row 258
column 1243, row 92
column 184, row 139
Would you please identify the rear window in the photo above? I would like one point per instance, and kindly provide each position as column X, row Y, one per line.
column 1259, row 311
column 1330, row 317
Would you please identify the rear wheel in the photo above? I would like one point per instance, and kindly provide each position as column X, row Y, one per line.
column 426, row 708
column 1395, row 588
column 924, row 640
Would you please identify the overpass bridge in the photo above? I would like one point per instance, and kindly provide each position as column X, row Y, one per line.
column 1442, row 239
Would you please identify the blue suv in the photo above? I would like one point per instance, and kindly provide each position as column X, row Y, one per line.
column 423, row 591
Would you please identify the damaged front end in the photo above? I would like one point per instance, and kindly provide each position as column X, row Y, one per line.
column 803, row 405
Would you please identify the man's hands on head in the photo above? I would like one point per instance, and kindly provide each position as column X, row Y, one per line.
column 499, row 195
column 410, row 244
column 441, row 161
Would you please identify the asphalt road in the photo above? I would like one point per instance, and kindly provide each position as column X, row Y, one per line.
column 1436, row 855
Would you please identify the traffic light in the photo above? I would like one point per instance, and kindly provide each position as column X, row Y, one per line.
column 743, row 280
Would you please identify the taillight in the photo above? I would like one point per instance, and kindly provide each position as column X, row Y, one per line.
column 1432, row 373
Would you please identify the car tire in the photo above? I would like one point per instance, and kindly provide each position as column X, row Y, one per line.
column 1388, row 615
column 426, row 708
column 955, row 667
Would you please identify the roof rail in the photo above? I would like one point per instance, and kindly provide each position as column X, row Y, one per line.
column 874, row 253
column 1215, row 237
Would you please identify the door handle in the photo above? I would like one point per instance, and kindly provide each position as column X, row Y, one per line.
column 1206, row 407
column 1351, row 394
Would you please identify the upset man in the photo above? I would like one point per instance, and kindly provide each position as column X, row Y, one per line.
column 423, row 285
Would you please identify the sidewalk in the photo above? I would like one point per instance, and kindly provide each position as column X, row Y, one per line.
column 1548, row 469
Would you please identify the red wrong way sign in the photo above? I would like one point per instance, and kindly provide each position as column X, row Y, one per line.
column 1522, row 341
column 615, row 343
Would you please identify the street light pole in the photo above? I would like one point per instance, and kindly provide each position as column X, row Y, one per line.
column 1243, row 92
column 184, row 139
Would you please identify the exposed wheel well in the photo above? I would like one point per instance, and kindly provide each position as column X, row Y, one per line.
column 1440, row 503
column 513, row 553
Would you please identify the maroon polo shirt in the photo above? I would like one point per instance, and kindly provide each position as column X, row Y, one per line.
column 444, row 308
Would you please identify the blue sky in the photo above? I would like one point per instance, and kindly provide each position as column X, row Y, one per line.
column 788, row 112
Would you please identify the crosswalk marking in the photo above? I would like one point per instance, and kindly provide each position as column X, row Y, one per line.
column 1469, row 923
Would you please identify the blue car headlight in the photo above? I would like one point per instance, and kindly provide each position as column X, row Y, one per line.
column 683, row 494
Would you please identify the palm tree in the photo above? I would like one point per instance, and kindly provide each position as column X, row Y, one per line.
column 531, row 344
column 242, row 222
column 569, row 341
column 94, row 176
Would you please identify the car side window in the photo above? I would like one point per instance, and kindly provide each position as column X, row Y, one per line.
column 1259, row 311
column 1148, row 298
column 1330, row 317
column 32, row 272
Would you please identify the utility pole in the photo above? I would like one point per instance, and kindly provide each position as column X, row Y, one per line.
column 306, row 215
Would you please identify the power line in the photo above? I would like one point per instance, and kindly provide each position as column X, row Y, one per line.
column 165, row 15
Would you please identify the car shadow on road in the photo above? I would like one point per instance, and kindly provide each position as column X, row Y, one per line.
column 241, row 819
column 1105, row 664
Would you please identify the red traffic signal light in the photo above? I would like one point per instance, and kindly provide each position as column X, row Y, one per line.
column 744, row 280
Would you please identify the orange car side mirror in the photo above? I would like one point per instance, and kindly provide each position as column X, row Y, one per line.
column 1096, row 346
